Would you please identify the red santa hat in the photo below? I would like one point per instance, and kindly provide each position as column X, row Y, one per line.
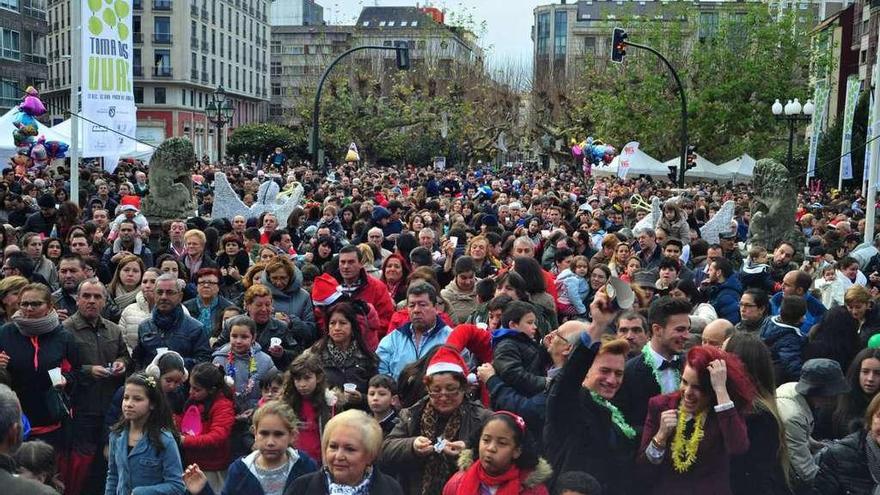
column 131, row 201
column 325, row 290
column 447, row 360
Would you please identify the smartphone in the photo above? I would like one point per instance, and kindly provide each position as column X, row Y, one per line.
column 454, row 240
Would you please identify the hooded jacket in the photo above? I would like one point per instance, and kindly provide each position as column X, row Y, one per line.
column 576, row 290
column 815, row 310
column 461, row 304
column 797, row 418
column 242, row 475
column 296, row 303
column 519, row 361
column 785, row 344
column 532, row 481
column 725, row 298
column 245, row 399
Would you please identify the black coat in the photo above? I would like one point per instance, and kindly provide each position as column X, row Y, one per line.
column 759, row 471
column 579, row 434
column 316, row 484
column 519, row 361
column 843, row 468
column 638, row 387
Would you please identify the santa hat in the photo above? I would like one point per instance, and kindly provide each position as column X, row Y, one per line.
column 447, row 360
column 131, row 201
column 325, row 290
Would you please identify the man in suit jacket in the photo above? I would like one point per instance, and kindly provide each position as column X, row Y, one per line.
column 657, row 369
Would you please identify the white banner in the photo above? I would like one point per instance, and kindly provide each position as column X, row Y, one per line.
column 866, row 173
column 849, row 110
column 107, row 80
column 818, row 124
column 623, row 163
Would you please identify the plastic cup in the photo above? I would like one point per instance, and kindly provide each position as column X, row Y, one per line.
column 275, row 342
column 161, row 350
column 56, row 376
column 349, row 387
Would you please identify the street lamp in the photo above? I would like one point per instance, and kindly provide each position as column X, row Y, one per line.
column 792, row 113
column 219, row 112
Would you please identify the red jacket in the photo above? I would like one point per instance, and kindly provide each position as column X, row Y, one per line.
column 375, row 292
column 210, row 450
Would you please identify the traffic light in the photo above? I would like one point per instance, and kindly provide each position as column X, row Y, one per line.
column 691, row 157
column 402, row 54
column 618, row 45
column 673, row 173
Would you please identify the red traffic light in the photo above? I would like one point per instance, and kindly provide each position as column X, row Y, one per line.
column 618, row 44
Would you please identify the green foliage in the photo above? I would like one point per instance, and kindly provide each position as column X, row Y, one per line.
column 731, row 77
column 828, row 152
column 260, row 140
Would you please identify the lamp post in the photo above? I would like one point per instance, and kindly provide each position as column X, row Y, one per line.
column 792, row 113
column 219, row 111
column 402, row 51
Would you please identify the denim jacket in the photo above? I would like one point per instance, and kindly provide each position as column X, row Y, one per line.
column 144, row 471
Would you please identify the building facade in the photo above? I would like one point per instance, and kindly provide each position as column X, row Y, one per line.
column 183, row 51
column 23, row 30
column 295, row 13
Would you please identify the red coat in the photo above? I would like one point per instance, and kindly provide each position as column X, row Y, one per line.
column 725, row 435
column 210, row 450
column 375, row 292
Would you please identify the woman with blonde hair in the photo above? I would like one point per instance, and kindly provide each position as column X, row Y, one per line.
column 9, row 288
column 368, row 258
column 844, row 330
column 622, row 254
column 478, row 249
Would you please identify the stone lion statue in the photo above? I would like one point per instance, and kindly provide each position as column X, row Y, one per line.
column 774, row 202
column 170, row 179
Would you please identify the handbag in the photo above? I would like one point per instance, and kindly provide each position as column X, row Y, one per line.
column 191, row 423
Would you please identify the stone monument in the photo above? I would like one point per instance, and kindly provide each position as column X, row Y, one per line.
column 170, row 179
column 773, row 207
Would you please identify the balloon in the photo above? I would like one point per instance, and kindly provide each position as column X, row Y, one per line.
column 38, row 152
column 56, row 149
column 874, row 341
column 23, row 119
column 32, row 106
column 577, row 151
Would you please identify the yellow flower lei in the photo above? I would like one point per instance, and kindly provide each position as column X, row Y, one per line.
column 684, row 453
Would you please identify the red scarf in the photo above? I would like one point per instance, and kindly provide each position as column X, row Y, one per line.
column 508, row 483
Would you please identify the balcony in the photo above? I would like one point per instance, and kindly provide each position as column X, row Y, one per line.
column 162, row 71
column 194, row 10
column 194, row 74
column 194, row 43
column 34, row 8
column 204, row 76
column 161, row 4
column 204, row 14
column 138, row 71
column 137, row 5
column 34, row 58
column 162, row 38
column 137, row 37
column 205, row 47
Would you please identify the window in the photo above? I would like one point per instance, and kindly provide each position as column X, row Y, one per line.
column 366, row 24
column 138, row 94
column 8, row 93
column 590, row 45
column 11, row 44
column 162, row 61
column 276, row 47
column 162, row 30
column 221, row 73
column 213, row 42
column 543, row 34
column 414, row 23
column 275, row 68
column 136, row 62
column 404, row 23
column 159, row 95
column 560, row 34
column 708, row 24
column 10, row 5
column 382, row 23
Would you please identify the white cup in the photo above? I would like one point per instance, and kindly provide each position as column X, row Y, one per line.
column 275, row 342
column 483, row 325
column 349, row 387
column 454, row 240
column 161, row 350
column 56, row 376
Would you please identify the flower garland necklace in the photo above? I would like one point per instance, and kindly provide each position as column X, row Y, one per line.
column 252, row 370
column 649, row 360
column 684, row 452
column 616, row 416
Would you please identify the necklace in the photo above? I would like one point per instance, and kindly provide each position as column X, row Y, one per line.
column 252, row 370
column 616, row 416
column 684, row 452
column 649, row 360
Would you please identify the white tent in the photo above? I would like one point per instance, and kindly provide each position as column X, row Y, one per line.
column 142, row 151
column 640, row 164
column 7, row 145
column 742, row 167
column 704, row 170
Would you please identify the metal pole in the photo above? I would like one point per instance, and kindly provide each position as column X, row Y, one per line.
column 791, row 129
column 684, row 114
column 316, row 111
column 870, row 208
column 75, row 81
column 219, row 137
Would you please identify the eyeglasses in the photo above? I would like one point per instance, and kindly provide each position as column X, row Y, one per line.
column 444, row 393
column 31, row 304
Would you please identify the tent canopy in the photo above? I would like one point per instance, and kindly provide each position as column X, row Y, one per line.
column 742, row 168
column 7, row 145
column 704, row 170
column 640, row 164
column 141, row 151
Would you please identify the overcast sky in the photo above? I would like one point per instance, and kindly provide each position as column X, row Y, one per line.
column 508, row 22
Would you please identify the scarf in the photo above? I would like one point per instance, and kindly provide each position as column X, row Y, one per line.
column 167, row 322
column 137, row 246
column 751, row 326
column 206, row 313
column 437, row 469
column 34, row 327
column 508, row 483
column 363, row 488
column 873, row 453
column 339, row 358
column 123, row 298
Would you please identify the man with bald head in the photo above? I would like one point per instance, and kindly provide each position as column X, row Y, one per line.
column 717, row 332
column 798, row 283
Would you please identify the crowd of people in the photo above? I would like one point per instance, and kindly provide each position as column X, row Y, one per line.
column 433, row 332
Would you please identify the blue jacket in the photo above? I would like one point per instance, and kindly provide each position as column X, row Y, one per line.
column 187, row 339
column 815, row 311
column 532, row 409
column 240, row 479
column 576, row 289
column 398, row 349
column 785, row 344
column 143, row 471
column 725, row 298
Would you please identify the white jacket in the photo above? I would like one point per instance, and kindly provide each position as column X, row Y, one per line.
column 132, row 316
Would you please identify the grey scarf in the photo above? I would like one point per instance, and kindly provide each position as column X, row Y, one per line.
column 873, row 454
column 34, row 327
